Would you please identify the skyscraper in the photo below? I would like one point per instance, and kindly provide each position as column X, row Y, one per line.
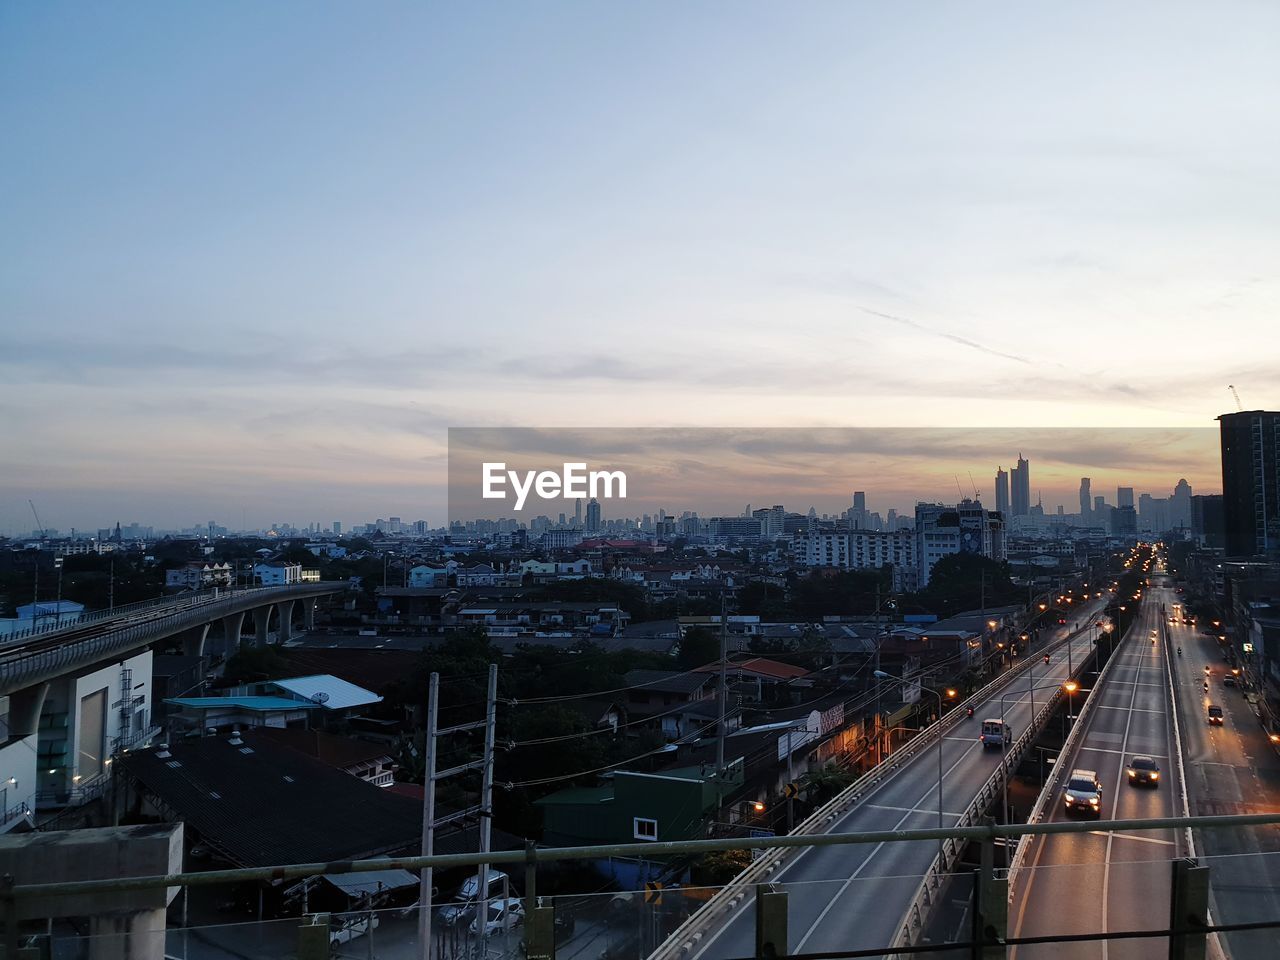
column 1251, row 482
column 858, row 514
column 1020, row 494
column 577, row 514
column 1180, row 506
column 1086, row 500
column 593, row 516
column 1002, row 492
column 1124, row 496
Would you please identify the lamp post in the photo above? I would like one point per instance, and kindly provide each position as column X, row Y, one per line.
column 881, row 675
column 57, row 565
column 1004, row 746
column 1071, row 687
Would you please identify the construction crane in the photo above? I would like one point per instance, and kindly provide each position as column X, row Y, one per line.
column 1239, row 405
column 39, row 525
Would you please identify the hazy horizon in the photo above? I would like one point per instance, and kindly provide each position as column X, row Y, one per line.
column 256, row 259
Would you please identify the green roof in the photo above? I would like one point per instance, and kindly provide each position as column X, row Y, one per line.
column 576, row 795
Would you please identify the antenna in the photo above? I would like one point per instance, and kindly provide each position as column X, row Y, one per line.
column 1239, row 405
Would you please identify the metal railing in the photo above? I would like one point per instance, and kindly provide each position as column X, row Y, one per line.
column 19, row 669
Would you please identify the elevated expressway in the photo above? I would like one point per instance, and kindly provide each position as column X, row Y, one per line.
column 1093, row 882
column 28, row 663
column 845, row 898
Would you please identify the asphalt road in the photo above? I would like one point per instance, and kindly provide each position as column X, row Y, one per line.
column 1082, row 883
column 855, row 897
column 1231, row 769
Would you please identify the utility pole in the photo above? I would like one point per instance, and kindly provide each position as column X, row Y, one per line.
column 486, row 798
column 484, row 810
column 111, row 583
column 428, row 816
column 723, row 697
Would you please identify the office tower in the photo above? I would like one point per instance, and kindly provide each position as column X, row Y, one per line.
column 858, row 513
column 577, row 513
column 1099, row 507
column 337, row 528
column 1086, row 500
column 1124, row 496
column 1002, row 492
column 1124, row 521
column 1020, row 494
column 1180, row 506
column 593, row 516
column 1251, row 482
column 1206, row 520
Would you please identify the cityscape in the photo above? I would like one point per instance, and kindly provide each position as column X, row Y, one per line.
column 657, row 482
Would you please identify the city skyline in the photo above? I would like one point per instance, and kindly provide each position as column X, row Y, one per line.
column 626, row 222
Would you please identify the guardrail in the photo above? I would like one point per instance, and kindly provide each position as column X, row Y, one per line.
column 688, row 935
column 1051, row 782
column 917, row 915
column 21, row 670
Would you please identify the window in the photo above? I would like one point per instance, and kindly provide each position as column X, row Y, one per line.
column 644, row 829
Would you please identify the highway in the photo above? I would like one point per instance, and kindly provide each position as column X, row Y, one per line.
column 1230, row 769
column 849, row 898
column 1082, row 883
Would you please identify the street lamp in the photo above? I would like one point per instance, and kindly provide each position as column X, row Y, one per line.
column 1004, row 746
column 1071, row 687
column 881, row 675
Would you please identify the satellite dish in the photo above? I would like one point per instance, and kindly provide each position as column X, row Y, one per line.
column 320, row 697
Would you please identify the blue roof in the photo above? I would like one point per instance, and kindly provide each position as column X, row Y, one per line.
column 245, row 703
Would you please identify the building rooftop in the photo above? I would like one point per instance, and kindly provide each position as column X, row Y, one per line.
column 333, row 693
column 255, row 703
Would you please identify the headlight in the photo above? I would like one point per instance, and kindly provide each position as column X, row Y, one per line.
column 1094, row 801
column 1133, row 773
column 1155, row 776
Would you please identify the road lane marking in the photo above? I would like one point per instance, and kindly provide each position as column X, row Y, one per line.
column 1155, row 756
column 1103, row 706
column 1130, row 836
column 929, row 810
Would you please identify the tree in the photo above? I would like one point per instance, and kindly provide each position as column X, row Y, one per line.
column 698, row 647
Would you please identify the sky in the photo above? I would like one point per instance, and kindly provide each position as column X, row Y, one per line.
column 255, row 259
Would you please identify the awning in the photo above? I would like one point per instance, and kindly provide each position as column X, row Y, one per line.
column 375, row 881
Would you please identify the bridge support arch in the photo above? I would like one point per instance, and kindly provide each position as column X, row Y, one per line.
column 193, row 640
column 309, row 613
column 24, row 709
column 232, row 624
column 261, row 624
column 286, row 621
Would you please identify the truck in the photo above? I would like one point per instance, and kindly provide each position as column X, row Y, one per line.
column 996, row 735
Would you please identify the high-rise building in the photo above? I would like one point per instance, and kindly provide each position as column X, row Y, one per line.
column 1086, row 500
column 337, row 528
column 1206, row 520
column 942, row 530
column 1020, row 492
column 577, row 513
column 1002, row 492
column 1124, row 496
column 593, row 516
column 1180, row 506
column 858, row 513
column 1251, row 482
column 1124, row 521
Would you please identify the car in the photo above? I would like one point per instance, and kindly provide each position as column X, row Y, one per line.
column 1143, row 772
column 348, row 929
column 1083, row 794
column 996, row 735
column 1215, row 715
column 464, row 907
column 1229, row 680
column 503, row 914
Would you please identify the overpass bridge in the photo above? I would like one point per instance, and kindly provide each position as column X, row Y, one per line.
column 863, row 899
column 29, row 661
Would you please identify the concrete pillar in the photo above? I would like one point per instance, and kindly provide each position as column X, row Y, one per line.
column 232, row 624
column 24, row 710
column 133, row 936
column 309, row 613
column 286, row 617
column 261, row 621
column 193, row 640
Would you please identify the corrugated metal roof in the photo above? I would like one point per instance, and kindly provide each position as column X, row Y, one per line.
column 245, row 703
column 338, row 693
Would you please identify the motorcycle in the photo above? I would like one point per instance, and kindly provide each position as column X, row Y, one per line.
column 1179, row 651
column 1046, row 658
column 970, row 712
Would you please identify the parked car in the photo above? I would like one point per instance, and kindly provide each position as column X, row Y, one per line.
column 464, row 906
column 353, row 927
column 503, row 914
